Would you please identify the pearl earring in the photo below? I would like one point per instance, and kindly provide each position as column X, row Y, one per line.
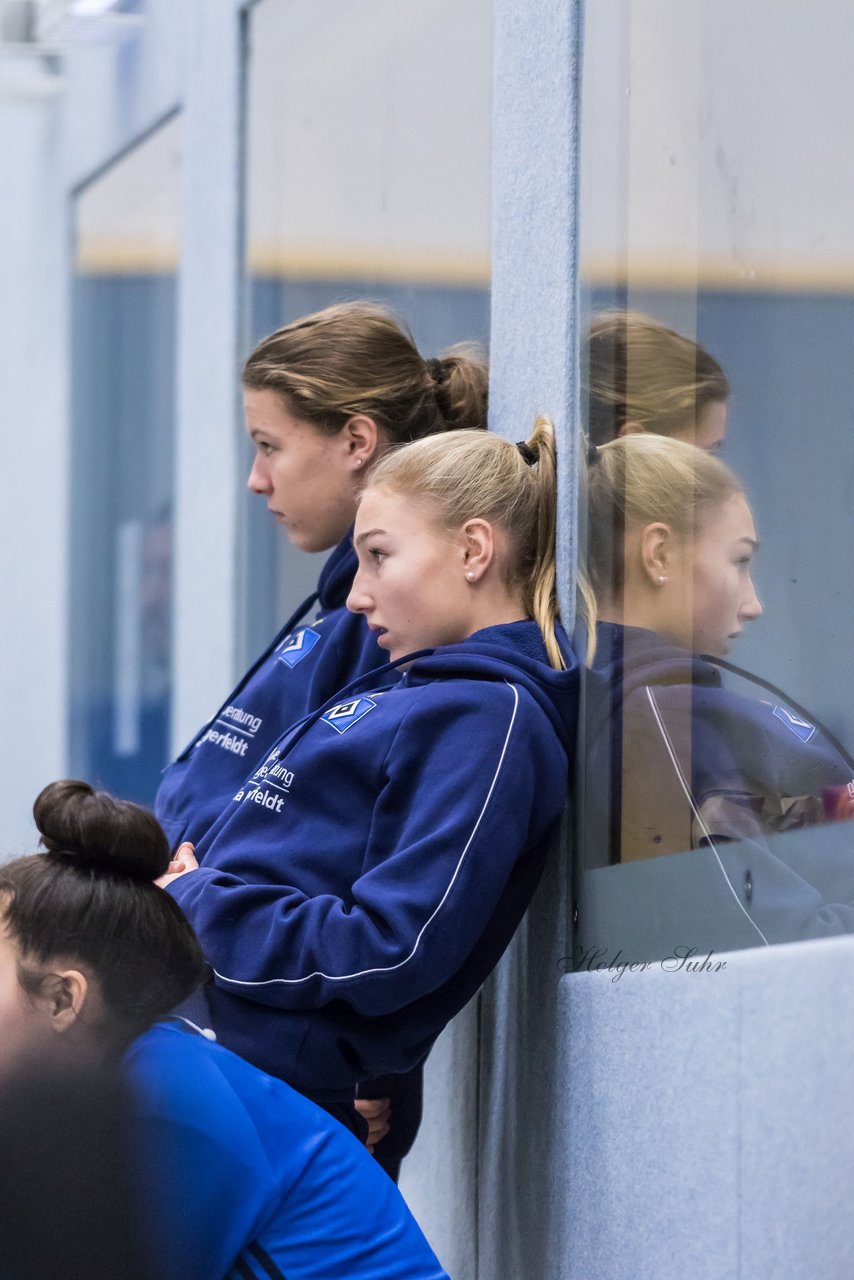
column 359, row 461
column 662, row 577
column 470, row 575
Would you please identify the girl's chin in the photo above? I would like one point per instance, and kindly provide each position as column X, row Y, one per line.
column 306, row 540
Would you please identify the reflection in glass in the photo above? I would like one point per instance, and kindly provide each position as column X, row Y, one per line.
column 639, row 375
column 716, row 315
column 672, row 541
column 124, row 297
column 678, row 758
column 368, row 177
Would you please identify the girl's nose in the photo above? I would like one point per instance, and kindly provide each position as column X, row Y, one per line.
column 356, row 602
column 259, row 481
column 752, row 607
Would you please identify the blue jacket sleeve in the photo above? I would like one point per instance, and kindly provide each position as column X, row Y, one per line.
column 470, row 786
column 239, row 1174
column 207, row 1186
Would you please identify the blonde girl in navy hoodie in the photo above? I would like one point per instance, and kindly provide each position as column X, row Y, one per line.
column 368, row 875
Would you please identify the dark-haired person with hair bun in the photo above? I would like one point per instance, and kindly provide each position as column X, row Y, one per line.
column 368, row 874
column 324, row 398
column 238, row 1174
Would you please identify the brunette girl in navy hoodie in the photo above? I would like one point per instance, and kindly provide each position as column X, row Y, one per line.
column 324, row 397
column 677, row 759
column 368, row 875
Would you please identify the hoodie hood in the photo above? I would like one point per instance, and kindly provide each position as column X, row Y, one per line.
column 514, row 652
column 336, row 576
column 636, row 657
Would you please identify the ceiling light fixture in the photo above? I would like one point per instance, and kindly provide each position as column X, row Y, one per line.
column 84, row 20
column 90, row 8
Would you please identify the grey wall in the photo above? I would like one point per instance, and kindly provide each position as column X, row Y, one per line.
column 705, row 1120
column 208, row 480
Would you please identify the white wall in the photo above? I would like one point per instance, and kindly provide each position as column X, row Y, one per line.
column 110, row 96
column 708, row 143
column 46, row 146
column 33, row 461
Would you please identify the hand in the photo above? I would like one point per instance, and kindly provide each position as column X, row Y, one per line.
column 184, row 860
column 377, row 1112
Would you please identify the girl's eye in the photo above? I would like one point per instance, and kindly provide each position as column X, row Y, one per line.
column 376, row 555
column 264, row 448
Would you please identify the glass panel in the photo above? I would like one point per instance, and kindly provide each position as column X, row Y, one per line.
column 123, row 382
column 368, row 177
column 718, row 292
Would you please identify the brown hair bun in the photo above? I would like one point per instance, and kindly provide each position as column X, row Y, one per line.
column 110, row 835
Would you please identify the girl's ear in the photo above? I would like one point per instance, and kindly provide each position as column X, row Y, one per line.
column 477, row 541
column 630, row 428
column 657, row 551
column 63, row 996
column 362, row 439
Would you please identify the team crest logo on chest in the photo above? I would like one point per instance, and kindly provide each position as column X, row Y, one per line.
column 346, row 714
column 800, row 728
column 297, row 646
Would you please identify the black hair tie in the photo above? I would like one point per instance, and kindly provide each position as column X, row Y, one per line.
column 529, row 455
column 436, row 370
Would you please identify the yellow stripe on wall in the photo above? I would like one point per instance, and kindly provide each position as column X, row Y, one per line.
column 135, row 257
column 352, row 263
column 776, row 275
column 126, row 257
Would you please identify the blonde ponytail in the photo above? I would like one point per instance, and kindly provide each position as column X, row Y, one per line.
column 541, row 586
column 588, row 608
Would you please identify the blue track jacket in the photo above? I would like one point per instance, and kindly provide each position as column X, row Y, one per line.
column 368, row 876
column 676, row 760
column 304, row 666
column 248, row 1180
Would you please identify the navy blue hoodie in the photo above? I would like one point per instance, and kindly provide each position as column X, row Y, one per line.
column 303, row 667
column 368, row 876
column 677, row 761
